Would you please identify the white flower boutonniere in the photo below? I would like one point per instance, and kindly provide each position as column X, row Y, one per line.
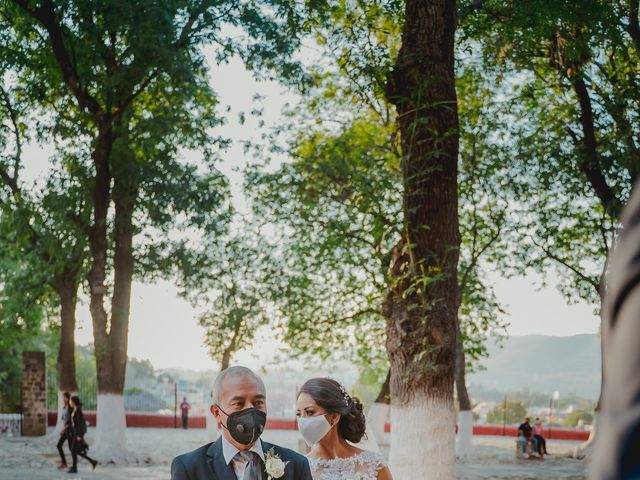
column 274, row 465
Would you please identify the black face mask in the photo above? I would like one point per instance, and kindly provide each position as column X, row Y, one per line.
column 246, row 425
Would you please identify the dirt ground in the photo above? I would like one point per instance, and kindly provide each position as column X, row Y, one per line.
column 153, row 450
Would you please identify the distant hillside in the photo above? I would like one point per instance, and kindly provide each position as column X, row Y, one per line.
column 543, row 364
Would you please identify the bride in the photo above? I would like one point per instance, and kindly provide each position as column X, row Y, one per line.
column 328, row 419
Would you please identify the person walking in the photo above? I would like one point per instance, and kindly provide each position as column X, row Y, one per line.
column 79, row 429
column 65, row 433
column 184, row 408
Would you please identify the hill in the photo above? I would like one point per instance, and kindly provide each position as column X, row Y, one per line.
column 543, row 364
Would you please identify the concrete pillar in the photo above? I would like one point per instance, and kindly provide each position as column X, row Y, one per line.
column 34, row 394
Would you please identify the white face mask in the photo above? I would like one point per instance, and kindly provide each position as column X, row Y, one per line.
column 313, row 429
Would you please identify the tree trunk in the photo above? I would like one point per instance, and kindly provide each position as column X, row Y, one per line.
column 464, row 439
column 110, row 437
column 110, row 443
column 421, row 306
column 66, row 286
column 231, row 348
column 585, row 449
column 379, row 412
column 589, row 164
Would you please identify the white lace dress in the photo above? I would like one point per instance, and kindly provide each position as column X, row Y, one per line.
column 362, row 466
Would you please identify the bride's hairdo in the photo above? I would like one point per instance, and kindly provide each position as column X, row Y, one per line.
column 332, row 396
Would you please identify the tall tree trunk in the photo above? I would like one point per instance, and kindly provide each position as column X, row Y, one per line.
column 66, row 286
column 612, row 205
column 585, row 449
column 110, row 444
column 379, row 411
column 464, row 439
column 231, row 347
column 589, row 164
column 421, row 306
column 111, row 435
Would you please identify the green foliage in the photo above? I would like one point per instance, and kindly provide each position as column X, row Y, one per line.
column 367, row 387
column 574, row 417
column 516, row 411
column 338, row 201
column 229, row 290
column 564, row 79
column 139, row 372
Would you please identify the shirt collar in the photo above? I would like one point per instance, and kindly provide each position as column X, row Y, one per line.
column 229, row 451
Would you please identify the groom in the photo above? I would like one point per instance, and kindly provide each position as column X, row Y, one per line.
column 240, row 407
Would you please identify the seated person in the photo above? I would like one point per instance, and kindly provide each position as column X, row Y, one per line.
column 539, row 439
column 525, row 435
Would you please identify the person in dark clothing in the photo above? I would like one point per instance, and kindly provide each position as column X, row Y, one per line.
column 79, row 429
column 65, row 433
column 184, row 408
column 525, row 430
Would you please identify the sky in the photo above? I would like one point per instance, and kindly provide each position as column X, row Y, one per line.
column 164, row 327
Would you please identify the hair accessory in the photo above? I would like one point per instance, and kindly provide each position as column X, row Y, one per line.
column 344, row 394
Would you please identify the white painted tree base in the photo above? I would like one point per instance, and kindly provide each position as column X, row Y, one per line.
column 422, row 440
column 464, row 438
column 110, row 444
column 376, row 420
column 585, row 449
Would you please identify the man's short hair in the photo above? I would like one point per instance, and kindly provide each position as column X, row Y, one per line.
column 67, row 395
column 233, row 372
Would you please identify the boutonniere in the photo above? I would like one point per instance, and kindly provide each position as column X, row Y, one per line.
column 274, row 465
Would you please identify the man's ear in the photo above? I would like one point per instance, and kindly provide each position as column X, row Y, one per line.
column 215, row 411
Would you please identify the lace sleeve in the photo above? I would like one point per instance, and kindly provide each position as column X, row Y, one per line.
column 379, row 461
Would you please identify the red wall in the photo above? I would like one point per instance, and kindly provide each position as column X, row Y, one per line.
column 166, row 421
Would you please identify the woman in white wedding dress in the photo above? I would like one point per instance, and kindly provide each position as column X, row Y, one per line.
column 331, row 421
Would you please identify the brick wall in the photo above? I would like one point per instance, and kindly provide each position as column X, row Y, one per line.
column 34, row 394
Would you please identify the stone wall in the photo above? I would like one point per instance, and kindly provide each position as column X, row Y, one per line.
column 34, row 394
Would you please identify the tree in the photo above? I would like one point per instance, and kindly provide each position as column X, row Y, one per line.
column 421, row 308
column 574, row 418
column 339, row 200
column 120, row 66
column 575, row 122
column 136, row 79
column 515, row 412
column 41, row 230
column 229, row 290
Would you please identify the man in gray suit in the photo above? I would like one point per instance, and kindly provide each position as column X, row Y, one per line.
column 240, row 408
column 617, row 447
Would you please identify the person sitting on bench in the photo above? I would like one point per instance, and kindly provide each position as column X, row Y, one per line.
column 539, row 439
column 525, row 435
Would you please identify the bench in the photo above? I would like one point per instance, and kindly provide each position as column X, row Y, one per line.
column 528, row 450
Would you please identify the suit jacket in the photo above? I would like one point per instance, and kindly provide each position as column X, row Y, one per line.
column 208, row 463
column 617, row 448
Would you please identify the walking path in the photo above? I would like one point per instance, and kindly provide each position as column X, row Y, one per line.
column 36, row 458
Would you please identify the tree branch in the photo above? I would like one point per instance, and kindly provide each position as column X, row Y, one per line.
column 566, row 264
column 589, row 164
column 13, row 115
column 47, row 17
column 634, row 27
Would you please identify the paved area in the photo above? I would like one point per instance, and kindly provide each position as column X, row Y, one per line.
column 153, row 449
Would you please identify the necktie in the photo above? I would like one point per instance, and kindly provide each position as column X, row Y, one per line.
column 252, row 466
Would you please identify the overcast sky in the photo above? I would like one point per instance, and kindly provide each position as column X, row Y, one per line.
column 164, row 328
